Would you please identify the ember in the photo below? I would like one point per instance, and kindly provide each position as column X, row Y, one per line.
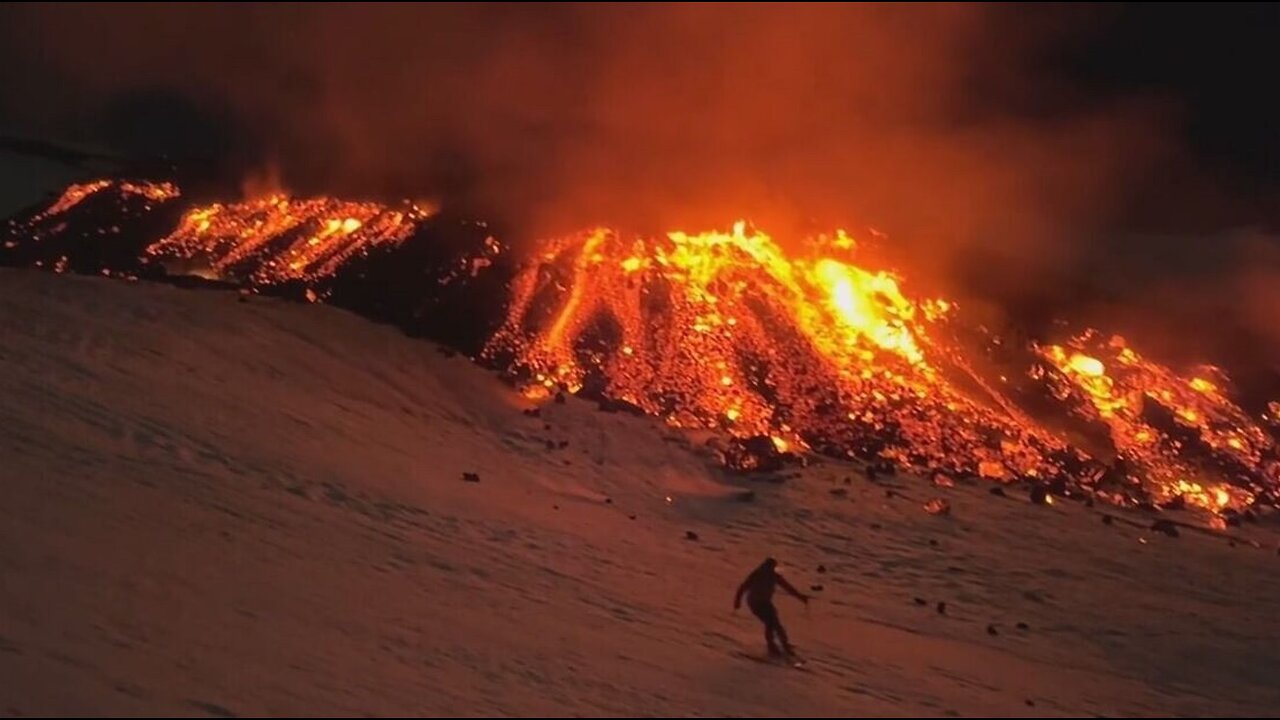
column 937, row 506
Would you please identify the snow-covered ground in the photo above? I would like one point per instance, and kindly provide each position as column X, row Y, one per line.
column 218, row 507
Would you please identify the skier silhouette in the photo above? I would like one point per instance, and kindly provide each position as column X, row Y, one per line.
column 758, row 588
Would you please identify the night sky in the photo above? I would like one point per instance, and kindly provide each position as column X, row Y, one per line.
column 1213, row 62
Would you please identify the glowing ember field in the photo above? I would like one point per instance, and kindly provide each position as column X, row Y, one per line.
column 798, row 341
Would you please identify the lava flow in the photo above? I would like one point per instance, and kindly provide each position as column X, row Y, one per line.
column 277, row 239
column 726, row 329
column 729, row 330
column 75, row 194
column 1176, row 430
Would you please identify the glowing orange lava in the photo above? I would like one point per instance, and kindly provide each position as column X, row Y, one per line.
column 277, row 238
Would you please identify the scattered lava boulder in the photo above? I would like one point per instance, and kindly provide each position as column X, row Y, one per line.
column 1039, row 495
column 757, row 453
column 615, row 405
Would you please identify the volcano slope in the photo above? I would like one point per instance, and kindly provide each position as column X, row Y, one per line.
column 246, row 508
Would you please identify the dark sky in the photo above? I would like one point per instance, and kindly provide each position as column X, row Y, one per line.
column 1121, row 156
column 1212, row 61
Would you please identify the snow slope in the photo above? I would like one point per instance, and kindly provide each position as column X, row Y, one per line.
column 221, row 507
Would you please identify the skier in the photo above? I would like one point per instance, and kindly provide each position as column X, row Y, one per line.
column 758, row 588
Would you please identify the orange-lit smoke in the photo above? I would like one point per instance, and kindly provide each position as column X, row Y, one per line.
column 649, row 116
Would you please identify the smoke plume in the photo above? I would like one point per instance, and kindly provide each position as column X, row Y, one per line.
column 947, row 127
